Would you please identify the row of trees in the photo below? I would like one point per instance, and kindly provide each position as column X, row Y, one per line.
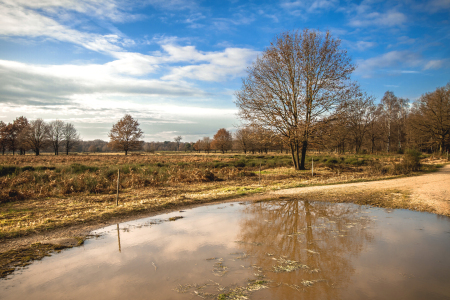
column 22, row 135
column 356, row 124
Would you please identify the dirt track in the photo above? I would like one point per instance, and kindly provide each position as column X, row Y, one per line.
column 431, row 189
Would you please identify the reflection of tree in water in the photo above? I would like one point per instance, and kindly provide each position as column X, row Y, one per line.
column 320, row 235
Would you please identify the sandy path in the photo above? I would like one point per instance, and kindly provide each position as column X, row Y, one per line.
column 431, row 189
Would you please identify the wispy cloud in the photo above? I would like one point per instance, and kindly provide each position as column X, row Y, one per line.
column 113, row 10
column 435, row 64
column 388, row 19
column 387, row 63
column 231, row 62
column 363, row 45
column 311, row 6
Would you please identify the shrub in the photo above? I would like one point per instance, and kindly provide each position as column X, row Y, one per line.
column 331, row 161
column 7, row 170
column 79, row 168
column 411, row 159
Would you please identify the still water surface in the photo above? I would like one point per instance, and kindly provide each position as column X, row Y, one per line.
column 266, row 250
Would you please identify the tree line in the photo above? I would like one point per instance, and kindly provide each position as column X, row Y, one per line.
column 359, row 126
column 22, row 135
column 300, row 91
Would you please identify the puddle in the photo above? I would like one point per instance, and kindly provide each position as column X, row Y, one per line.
column 266, row 250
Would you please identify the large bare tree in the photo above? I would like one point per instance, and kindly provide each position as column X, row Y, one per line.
column 125, row 134
column 297, row 82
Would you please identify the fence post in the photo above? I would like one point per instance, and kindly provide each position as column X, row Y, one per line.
column 260, row 173
column 312, row 166
column 118, row 180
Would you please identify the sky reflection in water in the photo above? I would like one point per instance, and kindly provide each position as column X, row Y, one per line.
column 298, row 249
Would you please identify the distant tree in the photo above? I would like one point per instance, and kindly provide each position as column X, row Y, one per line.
column 402, row 115
column 198, row 146
column 70, row 137
column 21, row 124
column 178, row 140
column 55, row 134
column 125, row 134
column 222, row 140
column 105, row 148
column 299, row 80
column 243, row 139
column 188, row 147
column 374, row 129
column 3, row 142
column 431, row 117
column 357, row 113
column 11, row 134
column 390, row 106
column 36, row 135
column 206, row 144
column 92, row 148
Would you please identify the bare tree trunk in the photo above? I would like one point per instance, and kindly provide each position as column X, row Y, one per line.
column 304, row 147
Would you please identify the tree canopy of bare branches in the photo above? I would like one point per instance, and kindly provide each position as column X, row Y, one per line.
column 36, row 135
column 178, row 140
column 70, row 137
column 55, row 133
column 431, row 117
column 294, row 85
column 125, row 134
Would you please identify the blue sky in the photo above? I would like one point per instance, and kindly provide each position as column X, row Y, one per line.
column 175, row 64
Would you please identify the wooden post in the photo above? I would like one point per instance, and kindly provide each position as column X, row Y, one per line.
column 312, row 166
column 118, row 180
column 260, row 173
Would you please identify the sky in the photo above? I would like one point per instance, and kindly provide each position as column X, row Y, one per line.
column 174, row 65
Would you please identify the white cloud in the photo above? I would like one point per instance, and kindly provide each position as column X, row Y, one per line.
column 16, row 21
column 310, row 6
column 362, row 45
column 389, row 19
column 397, row 62
column 435, row 64
column 57, row 83
column 103, row 9
column 387, row 62
column 231, row 62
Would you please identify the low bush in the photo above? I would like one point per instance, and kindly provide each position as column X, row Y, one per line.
column 411, row 160
column 8, row 170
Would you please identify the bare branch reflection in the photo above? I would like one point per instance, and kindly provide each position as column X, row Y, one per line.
column 323, row 236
